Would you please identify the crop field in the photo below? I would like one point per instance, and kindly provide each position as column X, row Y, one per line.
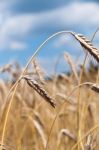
column 60, row 112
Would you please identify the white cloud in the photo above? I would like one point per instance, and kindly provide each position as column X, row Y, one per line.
column 17, row 25
column 75, row 15
column 16, row 45
column 72, row 14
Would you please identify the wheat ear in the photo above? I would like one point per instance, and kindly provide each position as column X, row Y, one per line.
column 88, row 46
column 40, row 90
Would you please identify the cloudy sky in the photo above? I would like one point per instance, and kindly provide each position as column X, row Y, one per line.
column 25, row 24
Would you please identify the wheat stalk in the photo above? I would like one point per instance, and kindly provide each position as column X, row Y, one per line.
column 72, row 65
column 39, row 72
column 39, row 128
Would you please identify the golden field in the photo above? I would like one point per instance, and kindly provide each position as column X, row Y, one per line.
column 56, row 113
column 32, row 123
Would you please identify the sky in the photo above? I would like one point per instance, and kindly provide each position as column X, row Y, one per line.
column 25, row 24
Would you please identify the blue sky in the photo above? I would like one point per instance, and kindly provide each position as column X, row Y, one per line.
column 25, row 24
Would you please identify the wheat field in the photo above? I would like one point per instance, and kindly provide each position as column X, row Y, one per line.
column 56, row 113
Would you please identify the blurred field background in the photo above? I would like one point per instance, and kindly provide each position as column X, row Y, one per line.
column 31, row 118
column 52, row 102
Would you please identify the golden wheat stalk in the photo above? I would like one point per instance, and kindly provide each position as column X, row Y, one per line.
column 72, row 64
column 40, row 90
column 63, row 97
column 39, row 129
column 39, row 72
